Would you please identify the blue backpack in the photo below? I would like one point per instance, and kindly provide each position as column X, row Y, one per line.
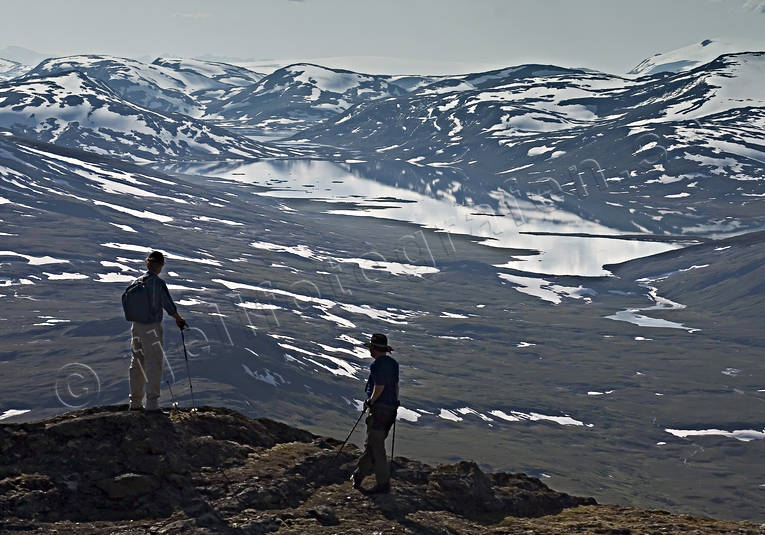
column 136, row 301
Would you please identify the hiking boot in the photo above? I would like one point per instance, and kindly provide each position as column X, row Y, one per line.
column 356, row 480
column 380, row 488
column 136, row 408
column 152, row 405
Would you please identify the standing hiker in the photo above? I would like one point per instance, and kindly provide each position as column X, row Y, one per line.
column 382, row 401
column 143, row 302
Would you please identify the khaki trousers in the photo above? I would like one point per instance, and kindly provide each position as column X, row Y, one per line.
column 374, row 458
column 146, row 364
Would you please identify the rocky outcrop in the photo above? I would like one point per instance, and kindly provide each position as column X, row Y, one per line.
column 107, row 470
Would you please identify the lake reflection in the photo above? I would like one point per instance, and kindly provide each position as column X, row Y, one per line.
column 448, row 201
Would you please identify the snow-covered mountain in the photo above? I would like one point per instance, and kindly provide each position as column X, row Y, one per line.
column 57, row 179
column 300, row 95
column 70, row 109
column 234, row 78
column 688, row 57
column 675, row 138
column 682, row 138
column 12, row 69
column 386, row 65
column 153, row 86
column 497, row 78
column 450, row 114
column 220, row 72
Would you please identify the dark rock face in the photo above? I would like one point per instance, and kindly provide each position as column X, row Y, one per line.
column 213, row 470
column 128, row 485
column 107, row 463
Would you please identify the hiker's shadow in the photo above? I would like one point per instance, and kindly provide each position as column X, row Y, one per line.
column 398, row 506
column 406, row 496
column 182, row 493
column 412, row 492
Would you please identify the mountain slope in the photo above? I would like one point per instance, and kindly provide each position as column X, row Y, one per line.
column 11, row 69
column 220, row 72
column 584, row 141
column 285, row 292
column 691, row 56
column 498, row 77
column 299, row 95
column 215, row 470
column 72, row 110
column 153, row 86
column 725, row 279
column 727, row 83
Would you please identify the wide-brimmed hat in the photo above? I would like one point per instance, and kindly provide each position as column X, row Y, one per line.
column 379, row 341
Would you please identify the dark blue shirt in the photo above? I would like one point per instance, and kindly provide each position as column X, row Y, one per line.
column 159, row 297
column 384, row 371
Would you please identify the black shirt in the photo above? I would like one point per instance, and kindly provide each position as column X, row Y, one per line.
column 384, row 371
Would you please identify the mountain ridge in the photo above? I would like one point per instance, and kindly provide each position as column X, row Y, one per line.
column 301, row 94
column 670, row 136
column 10, row 69
column 690, row 56
column 213, row 470
column 72, row 109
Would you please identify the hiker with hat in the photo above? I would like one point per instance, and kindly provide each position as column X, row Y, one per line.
column 382, row 402
column 143, row 302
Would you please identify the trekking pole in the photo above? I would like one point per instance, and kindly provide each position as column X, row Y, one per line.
column 393, row 443
column 167, row 382
column 349, row 435
column 186, row 356
column 172, row 397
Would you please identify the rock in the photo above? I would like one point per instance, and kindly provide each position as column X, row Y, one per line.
column 128, row 485
column 325, row 515
column 179, row 526
column 467, row 488
column 209, row 519
column 217, row 471
column 28, row 495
